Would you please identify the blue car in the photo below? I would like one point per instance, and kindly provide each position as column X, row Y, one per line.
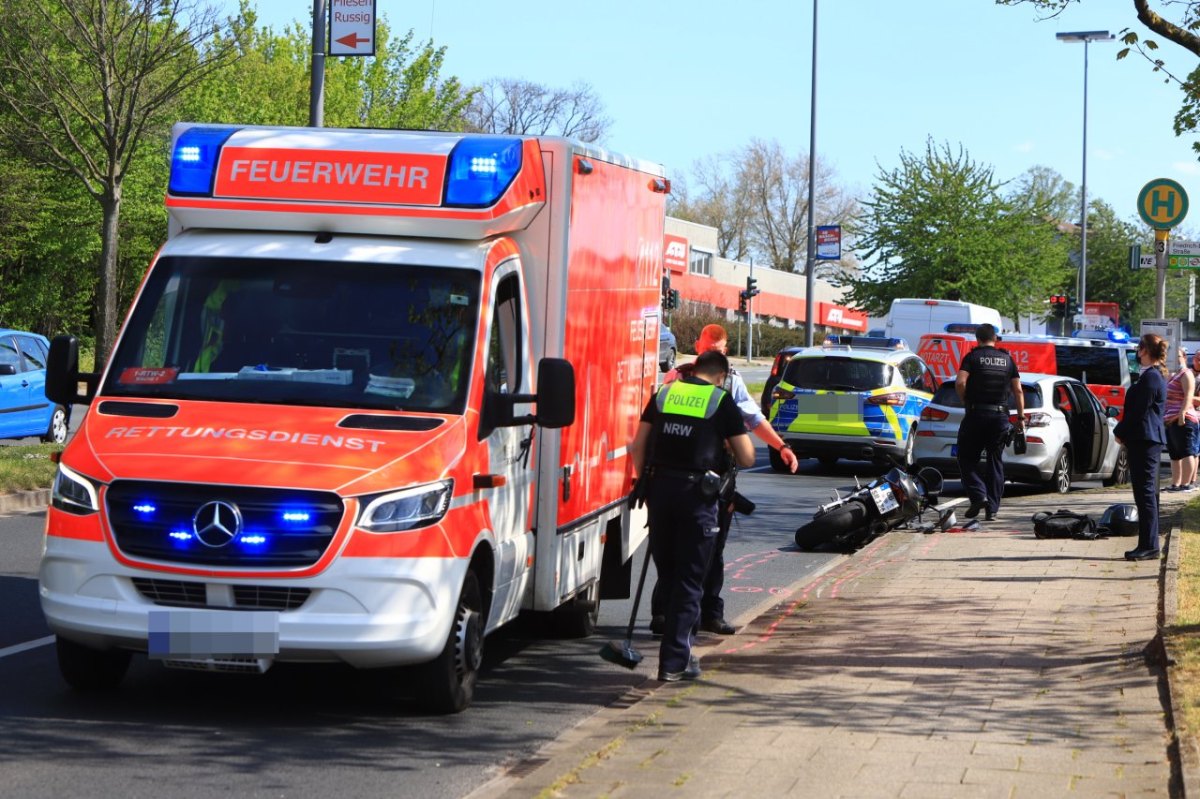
column 24, row 409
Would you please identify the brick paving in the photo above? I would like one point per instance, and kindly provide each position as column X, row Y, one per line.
column 974, row 664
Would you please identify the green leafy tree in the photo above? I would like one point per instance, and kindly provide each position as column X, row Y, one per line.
column 1176, row 21
column 400, row 87
column 85, row 83
column 1109, row 278
column 937, row 226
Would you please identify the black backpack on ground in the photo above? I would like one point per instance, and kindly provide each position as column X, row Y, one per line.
column 1064, row 523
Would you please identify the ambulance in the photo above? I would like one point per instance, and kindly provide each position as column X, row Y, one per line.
column 1103, row 365
column 372, row 400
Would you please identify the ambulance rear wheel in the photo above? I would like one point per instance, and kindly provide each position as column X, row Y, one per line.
column 578, row 617
column 449, row 680
column 87, row 669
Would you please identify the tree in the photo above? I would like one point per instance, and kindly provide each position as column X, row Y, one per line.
column 1046, row 189
column 520, row 107
column 757, row 198
column 937, row 226
column 84, row 83
column 1183, row 30
column 1109, row 278
column 716, row 201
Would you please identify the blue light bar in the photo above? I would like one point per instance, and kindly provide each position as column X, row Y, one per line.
column 481, row 170
column 297, row 516
column 1119, row 336
column 253, row 540
column 181, row 535
column 145, row 508
column 194, row 162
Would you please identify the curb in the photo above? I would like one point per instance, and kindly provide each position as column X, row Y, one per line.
column 24, row 501
column 1187, row 750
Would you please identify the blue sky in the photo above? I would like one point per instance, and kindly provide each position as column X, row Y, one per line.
column 683, row 80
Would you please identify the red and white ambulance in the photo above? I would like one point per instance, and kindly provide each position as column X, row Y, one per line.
column 321, row 436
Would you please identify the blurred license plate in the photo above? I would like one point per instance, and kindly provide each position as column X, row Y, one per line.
column 212, row 633
column 832, row 404
column 883, row 498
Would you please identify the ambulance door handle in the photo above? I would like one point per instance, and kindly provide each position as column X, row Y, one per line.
column 488, row 481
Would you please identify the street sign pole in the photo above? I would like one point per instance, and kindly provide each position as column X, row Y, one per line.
column 316, row 100
column 1160, row 272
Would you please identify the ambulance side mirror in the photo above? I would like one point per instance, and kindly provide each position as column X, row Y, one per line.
column 63, row 376
column 556, row 393
column 554, row 400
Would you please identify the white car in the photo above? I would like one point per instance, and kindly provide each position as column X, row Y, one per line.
column 1069, row 435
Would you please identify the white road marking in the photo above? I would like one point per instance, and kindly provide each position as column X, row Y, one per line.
column 16, row 649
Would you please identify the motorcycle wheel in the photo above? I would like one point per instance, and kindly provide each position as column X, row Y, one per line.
column 834, row 525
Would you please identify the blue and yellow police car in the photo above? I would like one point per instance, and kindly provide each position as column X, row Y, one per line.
column 856, row 397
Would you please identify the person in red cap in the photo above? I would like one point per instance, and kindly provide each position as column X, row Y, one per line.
column 712, row 605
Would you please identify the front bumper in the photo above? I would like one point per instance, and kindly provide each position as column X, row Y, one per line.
column 366, row 612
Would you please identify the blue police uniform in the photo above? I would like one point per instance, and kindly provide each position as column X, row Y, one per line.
column 1143, row 433
column 990, row 372
column 690, row 420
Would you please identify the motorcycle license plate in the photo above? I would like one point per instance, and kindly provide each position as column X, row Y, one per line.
column 884, row 499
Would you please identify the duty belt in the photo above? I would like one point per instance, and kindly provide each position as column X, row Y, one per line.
column 679, row 474
column 979, row 406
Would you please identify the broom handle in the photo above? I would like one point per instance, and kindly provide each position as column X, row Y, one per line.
column 637, row 597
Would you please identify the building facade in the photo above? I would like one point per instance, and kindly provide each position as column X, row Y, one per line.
column 703, row 278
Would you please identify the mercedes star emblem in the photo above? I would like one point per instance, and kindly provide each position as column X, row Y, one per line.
column 217, row 523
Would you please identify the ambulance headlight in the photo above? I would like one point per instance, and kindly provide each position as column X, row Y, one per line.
column 194, row 160
column 73, row 493
column 481, row 170
column 419, row 506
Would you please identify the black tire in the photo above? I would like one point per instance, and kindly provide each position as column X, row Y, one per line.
column 1120, row 475
column 668, row 363
column 56, row 433
column 910, row 445
column 1060, row 480
column 834, row 525
column 578, row 617
column 449, row 680
column 92, row 670
column 827, row 462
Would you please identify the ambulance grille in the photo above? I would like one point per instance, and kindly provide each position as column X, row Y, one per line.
column 184, row 594
column 254, row 527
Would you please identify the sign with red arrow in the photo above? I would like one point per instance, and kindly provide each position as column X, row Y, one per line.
column 352, row 27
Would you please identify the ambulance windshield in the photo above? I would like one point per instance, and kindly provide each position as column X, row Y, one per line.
column 371, row 336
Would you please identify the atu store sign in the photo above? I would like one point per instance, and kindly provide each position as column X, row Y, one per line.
column 675, row 253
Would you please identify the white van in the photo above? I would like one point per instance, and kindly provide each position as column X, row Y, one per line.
column 910, row 319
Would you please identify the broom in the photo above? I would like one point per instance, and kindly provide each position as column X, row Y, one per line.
column 622, row 652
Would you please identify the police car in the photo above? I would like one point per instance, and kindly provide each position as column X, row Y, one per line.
column 856, row 397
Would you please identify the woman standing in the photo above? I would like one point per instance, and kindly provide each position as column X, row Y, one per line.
column 1182, row 423
column 1142, row 432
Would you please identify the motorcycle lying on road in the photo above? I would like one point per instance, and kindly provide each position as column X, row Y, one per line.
column 893, row 500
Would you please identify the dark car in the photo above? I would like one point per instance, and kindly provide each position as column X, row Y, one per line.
column 781, row 359
column 666, row 348
column 24, row 409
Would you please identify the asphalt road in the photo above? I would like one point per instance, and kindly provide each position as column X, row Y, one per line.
column 323, row 730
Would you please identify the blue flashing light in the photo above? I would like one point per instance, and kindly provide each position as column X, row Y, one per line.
column 180, row 535
column 253, row 540
column 297, row 516
column 194, row 162
column 481, row 170
column 1119, row 336
column 145, row 508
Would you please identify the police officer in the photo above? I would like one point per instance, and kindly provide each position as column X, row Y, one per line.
column 712, row 604
column 681, row 442
column 986, row 379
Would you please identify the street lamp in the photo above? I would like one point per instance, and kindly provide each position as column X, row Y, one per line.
column 1087, row 37
column 809, row 281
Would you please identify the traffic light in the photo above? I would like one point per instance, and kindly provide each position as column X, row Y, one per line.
column 1058, row 305
column 751, row 287
column 666, row 292
column 672, row 299
column 743, row 300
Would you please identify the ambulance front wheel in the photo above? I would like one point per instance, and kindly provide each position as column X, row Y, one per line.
column 87, row 669
column 449, row 680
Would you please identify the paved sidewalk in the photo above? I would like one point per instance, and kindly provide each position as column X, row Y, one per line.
column 980, row 664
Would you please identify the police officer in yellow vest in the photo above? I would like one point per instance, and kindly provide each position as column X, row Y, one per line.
column 682, row 441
